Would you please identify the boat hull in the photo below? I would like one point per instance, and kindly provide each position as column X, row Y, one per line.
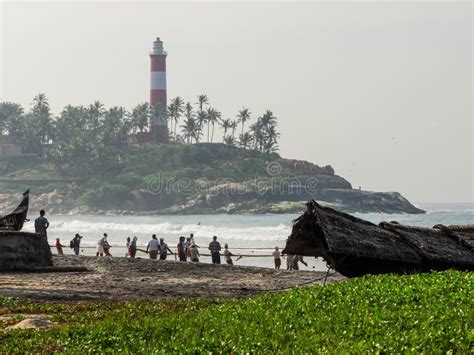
column 355, row 247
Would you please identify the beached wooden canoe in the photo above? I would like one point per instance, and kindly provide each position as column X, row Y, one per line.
column 22, row 250
column 16, row 219
column 356, row 247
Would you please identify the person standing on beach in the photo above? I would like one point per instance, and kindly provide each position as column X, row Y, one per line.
column 76, row 244
column 41, row 224
column 187, row 246
column 228, row 255
column 59, row 247
column 181, row 247
column 153, row 247
column 289, row 261
column 164, row 250
column 127, row 246
column 296, row 260
column 215, row 249
column 191, row 239
column 194, row 252
column 101, row 244
column 107, row 248
column 276, row 258
column 132, row 249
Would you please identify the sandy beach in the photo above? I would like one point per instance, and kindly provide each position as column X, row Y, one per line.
column 138, row 279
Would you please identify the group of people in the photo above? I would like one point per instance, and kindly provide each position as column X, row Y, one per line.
column 187, row 249
column 74, row 244
column 292, row 261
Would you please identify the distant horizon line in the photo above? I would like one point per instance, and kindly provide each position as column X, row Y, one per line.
column 447, row 203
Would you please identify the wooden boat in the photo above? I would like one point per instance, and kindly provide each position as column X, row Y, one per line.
column 355, row 247
column 16, row 219
column 22, row 250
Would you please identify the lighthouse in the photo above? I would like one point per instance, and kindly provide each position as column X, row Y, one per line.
column 158, row 121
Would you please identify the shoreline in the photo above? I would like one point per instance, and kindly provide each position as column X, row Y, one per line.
column 121, row 278
column 280, row 208
column 250, row 257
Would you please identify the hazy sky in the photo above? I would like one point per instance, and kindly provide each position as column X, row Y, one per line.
column 381, row 91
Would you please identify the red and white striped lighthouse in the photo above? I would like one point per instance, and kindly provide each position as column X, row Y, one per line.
column 158, row 121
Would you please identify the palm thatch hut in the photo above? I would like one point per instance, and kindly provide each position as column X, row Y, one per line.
column 355, row 247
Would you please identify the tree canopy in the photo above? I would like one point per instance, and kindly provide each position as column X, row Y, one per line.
column 92, row 139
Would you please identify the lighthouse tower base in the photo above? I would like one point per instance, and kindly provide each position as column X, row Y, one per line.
column 159, row 134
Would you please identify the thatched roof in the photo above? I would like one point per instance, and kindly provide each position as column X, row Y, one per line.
column 435, row 244
column 333, row 235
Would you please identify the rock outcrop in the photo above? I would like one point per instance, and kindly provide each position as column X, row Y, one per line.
column 38, row 322
column 258, row 186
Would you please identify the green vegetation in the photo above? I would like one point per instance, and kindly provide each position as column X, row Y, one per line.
column 96, row 147
column 91, row 140
column 388, row 313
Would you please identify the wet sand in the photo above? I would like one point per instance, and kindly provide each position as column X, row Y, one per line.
column 137, row 279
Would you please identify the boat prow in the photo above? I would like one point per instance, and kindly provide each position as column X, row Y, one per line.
column 16, row 219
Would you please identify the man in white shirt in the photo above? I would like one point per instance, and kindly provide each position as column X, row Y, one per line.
column 153, row 247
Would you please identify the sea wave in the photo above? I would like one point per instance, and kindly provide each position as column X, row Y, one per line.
column 166, row 229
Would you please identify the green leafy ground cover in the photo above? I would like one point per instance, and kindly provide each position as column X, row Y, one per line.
column 387, row 313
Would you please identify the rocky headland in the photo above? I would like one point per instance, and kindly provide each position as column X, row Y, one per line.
column 204, row 179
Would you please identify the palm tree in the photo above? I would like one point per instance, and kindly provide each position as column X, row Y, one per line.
column 242, row 117
column 40, row 104
column 202, row 100
column 268, row 119
column 229, row 140
column 213, row 116
column 271, row 140
column 197, row 133
column 94, row 115
column 176, row 109
column 140, row 116
column 116, row 127
column 217, row 117
column 245, row 139
column 201, row 120
column 189, row 129
column 225, row 124
column 40, row 123
column 192, row 122
column 233, row 126
column 188, row 110
column 257, row 134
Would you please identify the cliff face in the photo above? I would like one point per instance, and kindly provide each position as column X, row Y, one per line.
column 266, row 200
column 22, row 250
column 368, row 201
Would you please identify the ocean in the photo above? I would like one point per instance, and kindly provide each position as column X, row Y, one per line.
column 253, row 236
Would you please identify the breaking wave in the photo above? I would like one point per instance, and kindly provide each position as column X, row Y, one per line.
column 118, row 231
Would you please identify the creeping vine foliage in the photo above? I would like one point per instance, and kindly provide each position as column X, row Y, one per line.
column 388, row 313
